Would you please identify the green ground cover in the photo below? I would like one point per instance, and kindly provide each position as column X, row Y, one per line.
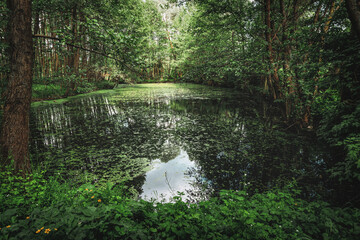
column 56, row 91
column 39, row 208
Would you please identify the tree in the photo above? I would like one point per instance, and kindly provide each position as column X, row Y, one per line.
column 15, row 131
column 352, row 7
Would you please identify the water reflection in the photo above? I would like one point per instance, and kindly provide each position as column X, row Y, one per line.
column 203, row 139
column 166, row 179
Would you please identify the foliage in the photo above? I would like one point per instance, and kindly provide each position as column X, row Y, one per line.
column 41, row 91
column 105, row 85
column 41, row 209
column 340, row 127
column 55, row 91
column 289, row 51
column 336, row 109
column 92, row 41
column 292, row 56
column 21, row 193
column 104, row 36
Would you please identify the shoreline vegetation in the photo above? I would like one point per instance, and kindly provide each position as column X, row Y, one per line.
column 52, row 208
column 42, row 92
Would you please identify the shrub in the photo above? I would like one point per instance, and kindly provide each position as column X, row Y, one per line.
column 41, row 91
column 36, row 208
column 104, row 85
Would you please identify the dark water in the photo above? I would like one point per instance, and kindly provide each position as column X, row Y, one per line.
column 162, row 139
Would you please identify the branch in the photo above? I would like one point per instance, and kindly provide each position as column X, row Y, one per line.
column 88, row 50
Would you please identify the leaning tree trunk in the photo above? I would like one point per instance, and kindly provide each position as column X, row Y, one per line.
column 14, row 136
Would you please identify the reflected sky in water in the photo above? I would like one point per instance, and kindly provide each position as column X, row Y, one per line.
column 165, row 179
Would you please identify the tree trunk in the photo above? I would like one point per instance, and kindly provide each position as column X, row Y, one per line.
column 76, row 52
column 83, row 41
column 274, row 84
column 352, row 7
column 15, row 130
column 286, row 57
column 36, row 43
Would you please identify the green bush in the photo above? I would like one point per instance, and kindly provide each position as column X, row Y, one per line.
column 40, row 91
column 339, row 126
column 105, row 85
column 85, row 87
column 37, row 208
column 53, row 91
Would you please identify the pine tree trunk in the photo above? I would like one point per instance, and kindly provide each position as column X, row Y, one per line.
column 15, row 130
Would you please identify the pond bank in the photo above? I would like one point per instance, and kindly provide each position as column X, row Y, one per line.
column 58, row 210
column 45, row 92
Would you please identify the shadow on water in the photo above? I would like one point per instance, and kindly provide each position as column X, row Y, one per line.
column 165, row 139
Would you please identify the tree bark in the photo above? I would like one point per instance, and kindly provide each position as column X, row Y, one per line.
column 36, row 44
column 83, row 41
column 273, row 78
column 15, row 130
column 354, row 16
column 76, row 37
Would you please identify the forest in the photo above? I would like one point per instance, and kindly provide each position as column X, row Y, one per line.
column 180, row 119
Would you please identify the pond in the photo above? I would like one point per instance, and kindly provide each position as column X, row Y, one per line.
column 164, row 139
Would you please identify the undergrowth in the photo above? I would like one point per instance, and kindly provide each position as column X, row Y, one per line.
column 54, row 91
column 39, row 208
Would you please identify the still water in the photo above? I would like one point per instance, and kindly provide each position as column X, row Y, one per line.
column 162, row 139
